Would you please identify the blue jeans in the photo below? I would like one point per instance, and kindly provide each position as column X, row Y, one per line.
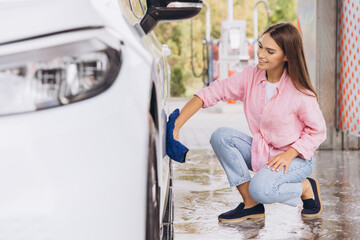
column 233, row 149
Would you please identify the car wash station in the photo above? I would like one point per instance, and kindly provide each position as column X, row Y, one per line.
column 88, row 143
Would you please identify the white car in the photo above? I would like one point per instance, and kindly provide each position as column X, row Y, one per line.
column 84, row 86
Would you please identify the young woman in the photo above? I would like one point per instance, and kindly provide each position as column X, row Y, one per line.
column 283, row 114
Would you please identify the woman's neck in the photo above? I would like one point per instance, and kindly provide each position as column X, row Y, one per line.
column 274, row 75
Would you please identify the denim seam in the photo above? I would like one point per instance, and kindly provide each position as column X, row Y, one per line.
column 244, row 140
column 231, row 143
column 307, row 163
column 278, row 178
column 247, row 179
column 240, row 182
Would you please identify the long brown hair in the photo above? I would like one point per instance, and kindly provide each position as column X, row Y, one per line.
column 288, row 38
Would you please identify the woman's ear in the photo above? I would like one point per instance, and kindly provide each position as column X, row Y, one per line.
column 285, row 59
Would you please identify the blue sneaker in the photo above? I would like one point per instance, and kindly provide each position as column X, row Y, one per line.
column 239, row 213
column 313, row 207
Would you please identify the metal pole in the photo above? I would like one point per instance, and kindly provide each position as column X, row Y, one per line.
column 211, row 62
column 209, row 43
column 256, row 34
column 255, row 19
column 230, row 10
column 208, row 21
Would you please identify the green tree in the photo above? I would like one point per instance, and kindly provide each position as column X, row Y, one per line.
column 283, row 11
column 177, row 83
column 176, row 38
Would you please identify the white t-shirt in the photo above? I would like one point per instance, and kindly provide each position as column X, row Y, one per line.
column 270, row 90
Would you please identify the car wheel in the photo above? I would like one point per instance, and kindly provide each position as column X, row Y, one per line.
column 153, row 193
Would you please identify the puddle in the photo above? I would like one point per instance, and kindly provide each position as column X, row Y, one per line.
column 202, row 192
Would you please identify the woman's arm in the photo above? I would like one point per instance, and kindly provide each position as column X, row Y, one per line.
column 190, row 108
column 314, row 132
column 230, row 88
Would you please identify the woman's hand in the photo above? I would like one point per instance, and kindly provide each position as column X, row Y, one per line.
column 282, row 160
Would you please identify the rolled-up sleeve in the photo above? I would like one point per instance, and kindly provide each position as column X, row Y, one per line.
column 314, row 132
column 230, row 88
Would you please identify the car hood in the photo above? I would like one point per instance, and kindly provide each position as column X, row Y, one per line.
column 26, row 19
column 21, row 19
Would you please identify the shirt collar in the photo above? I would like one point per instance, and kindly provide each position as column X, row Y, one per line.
column 283, row 80
column 262, row 77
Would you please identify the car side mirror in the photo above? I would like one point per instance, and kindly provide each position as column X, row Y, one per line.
column 168, row 10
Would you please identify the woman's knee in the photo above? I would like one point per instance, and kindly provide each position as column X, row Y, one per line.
column 261, row 190
column 220, row 136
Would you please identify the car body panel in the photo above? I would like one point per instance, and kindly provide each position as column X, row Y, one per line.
column 39, row 17
column 162, row 84
column 79, row 171
column 71, row 168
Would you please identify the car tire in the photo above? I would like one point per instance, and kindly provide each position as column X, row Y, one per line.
column 153, row 191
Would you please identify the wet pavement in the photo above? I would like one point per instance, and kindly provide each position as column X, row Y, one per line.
column 202, row 191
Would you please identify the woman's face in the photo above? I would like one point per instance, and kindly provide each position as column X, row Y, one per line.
column 270, row 55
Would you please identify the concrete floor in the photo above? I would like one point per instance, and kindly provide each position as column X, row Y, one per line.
column 202, row 191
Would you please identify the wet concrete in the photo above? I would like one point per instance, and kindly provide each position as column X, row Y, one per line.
column 202, row 191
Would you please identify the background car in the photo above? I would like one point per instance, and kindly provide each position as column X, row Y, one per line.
column 83, row 107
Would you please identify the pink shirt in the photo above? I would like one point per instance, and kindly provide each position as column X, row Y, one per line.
column 289, row 119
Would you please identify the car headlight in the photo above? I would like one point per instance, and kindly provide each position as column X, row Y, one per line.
column 57, row 75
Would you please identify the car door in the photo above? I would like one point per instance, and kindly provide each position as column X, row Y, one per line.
column 134, row 10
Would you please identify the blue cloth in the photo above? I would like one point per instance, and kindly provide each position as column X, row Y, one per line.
column 174, row 149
